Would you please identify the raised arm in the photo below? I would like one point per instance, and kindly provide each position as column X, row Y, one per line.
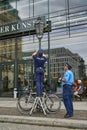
column 35, row 53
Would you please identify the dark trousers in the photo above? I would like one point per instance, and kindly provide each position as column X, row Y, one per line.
column 68, row 99
column 39, row 78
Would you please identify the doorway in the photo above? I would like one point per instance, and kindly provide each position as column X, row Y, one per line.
column 6, row 79
column 7, row 76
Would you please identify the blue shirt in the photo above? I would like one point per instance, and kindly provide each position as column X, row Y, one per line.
column 39, row 61
column 81, row 89
column 68, row 75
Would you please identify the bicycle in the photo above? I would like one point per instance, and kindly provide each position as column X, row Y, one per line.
column 50, row 102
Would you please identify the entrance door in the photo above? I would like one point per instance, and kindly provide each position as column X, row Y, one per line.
column 25, row 74
column 6, row 79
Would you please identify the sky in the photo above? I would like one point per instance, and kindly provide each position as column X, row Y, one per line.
column 77, row 43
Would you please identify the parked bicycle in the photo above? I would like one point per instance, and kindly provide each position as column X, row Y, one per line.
column 50, row 102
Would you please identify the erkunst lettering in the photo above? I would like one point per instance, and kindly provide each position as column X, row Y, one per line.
column 16, row 27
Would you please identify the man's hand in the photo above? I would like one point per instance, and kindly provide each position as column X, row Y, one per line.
column 44, row 55
column 60, row 79
column 35, row 53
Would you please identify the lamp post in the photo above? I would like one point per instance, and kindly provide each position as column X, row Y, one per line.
column 39, row 26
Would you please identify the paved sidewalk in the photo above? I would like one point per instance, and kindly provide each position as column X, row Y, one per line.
column 11, row 102
column 9, row 113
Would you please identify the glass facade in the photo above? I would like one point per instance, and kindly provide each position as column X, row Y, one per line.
column 68, row 29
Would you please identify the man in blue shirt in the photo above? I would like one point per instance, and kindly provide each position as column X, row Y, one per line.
column 39, row 61
column 67, row 83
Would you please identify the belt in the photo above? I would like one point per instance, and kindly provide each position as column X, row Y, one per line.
column 66, row 85
column 39, row 68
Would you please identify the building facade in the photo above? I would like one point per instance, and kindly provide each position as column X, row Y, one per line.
column 18, row 38
column 61, row 56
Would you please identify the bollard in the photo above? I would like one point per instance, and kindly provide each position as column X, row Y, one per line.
column 15, row 92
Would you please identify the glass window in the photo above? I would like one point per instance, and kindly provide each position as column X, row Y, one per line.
column 40, row 7
column 76, row 3
column 23, row 8
column 57, row 5
column 8, row 12
column 7, row 50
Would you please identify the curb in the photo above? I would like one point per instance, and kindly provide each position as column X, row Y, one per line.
column 54, row 122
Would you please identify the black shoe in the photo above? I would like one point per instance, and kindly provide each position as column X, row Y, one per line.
column 65, row 115
column 68, row 116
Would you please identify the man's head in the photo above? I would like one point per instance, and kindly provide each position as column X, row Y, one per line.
column 69, row 66
column 40, row 52
column 79, row 81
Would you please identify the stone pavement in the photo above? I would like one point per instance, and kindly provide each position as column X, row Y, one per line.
column 9, row 113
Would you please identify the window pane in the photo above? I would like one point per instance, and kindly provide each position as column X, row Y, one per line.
column 77, row 3
column 8, row 13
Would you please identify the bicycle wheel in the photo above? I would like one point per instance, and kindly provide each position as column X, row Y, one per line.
column 53, row 103
column 21, row 110
column 25, row 103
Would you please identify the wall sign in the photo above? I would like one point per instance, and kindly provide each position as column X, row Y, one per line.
column 19, row 26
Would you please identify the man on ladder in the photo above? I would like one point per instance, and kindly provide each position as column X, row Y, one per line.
column 39, row 61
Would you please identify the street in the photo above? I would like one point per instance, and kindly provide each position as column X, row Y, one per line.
column 13, row 126
column 12, row 119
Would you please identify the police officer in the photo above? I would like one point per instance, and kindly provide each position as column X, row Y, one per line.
column 67, row 83
column 39, row 61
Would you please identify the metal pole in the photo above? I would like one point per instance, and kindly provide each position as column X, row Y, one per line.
column 15, row 70
column 49, row 79
column 67, row 8
column 33, row 17
column 15, row 67
column 39, row 43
